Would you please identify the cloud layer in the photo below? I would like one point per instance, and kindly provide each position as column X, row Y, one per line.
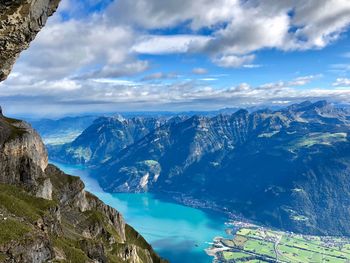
column 109, row 95
column 98, row 55
column 238, row 28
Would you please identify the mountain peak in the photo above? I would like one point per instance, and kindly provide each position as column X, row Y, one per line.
column 241, row 112
column 307, row 105
column 118, row 117
column 298, row 106
column 321, row 104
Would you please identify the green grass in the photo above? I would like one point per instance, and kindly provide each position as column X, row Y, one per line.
column 315, row 246
column 15, row 131
column 260, row 247
column 261, row 244
column 319, row 138
column 96, row 217
column 12, row 230
column 229, row 243
column 234, row 255
column 257, row 233
column 239, row 241
column 59, row 179
column 255, row 261
column 11, row 120
column 135, row 238
column 16, row 201
column 72, row 252
column 2, row 257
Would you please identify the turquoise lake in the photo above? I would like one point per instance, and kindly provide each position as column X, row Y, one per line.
column 178, row 233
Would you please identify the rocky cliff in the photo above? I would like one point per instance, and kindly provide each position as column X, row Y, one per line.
column 46, row 215
column 20, row 21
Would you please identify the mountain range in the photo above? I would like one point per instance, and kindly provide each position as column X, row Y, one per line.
column 60, row 131
column 286, row 168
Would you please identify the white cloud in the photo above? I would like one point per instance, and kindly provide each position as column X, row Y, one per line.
column 239, row 28
column 109, row 94
column 233, row 61
column 340, row 68
column 302, row 81
column 342, row 82
column 199, row 71
column 297, row 82
column 155, row 14
column 87, row 60
column 251, row 66
column 208, row 79
column 158, row 45
column 115, row 81
column 320, row 22
column 65, row 49
column 107, row 44
column 159, row 76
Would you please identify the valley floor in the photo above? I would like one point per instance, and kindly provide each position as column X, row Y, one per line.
column 253, row 244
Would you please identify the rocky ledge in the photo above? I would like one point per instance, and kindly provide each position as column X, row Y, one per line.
column 20, row 21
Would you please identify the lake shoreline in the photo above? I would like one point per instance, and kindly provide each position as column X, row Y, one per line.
column 178, row 232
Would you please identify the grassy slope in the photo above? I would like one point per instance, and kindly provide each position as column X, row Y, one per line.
column 22, row 210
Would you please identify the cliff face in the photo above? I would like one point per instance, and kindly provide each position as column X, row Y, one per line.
column 20, row 21
column 47, row 215
column 23, row 155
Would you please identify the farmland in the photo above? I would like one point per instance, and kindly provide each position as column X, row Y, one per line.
column 252, row 244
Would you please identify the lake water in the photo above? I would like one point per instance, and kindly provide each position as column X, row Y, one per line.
column 178, row 233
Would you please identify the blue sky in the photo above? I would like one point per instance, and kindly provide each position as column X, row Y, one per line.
column 175, row 55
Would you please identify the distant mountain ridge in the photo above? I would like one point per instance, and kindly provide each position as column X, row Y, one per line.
column 287, row 168
column 106, row 137
column 61, row 131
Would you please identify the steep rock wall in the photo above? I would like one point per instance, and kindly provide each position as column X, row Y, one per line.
column 20, row 21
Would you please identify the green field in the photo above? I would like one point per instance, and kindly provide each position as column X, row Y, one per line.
column 318, row 138
column 256, row 244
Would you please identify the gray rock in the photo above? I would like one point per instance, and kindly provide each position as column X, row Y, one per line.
column 20, row 21
column 45, row 190
column 23, row 156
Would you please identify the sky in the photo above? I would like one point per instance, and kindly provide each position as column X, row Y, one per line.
column 99, row 56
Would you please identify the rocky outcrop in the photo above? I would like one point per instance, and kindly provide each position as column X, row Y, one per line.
column 20, row 21
column 23, row 156
column 46, row 215
column 45, row 189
